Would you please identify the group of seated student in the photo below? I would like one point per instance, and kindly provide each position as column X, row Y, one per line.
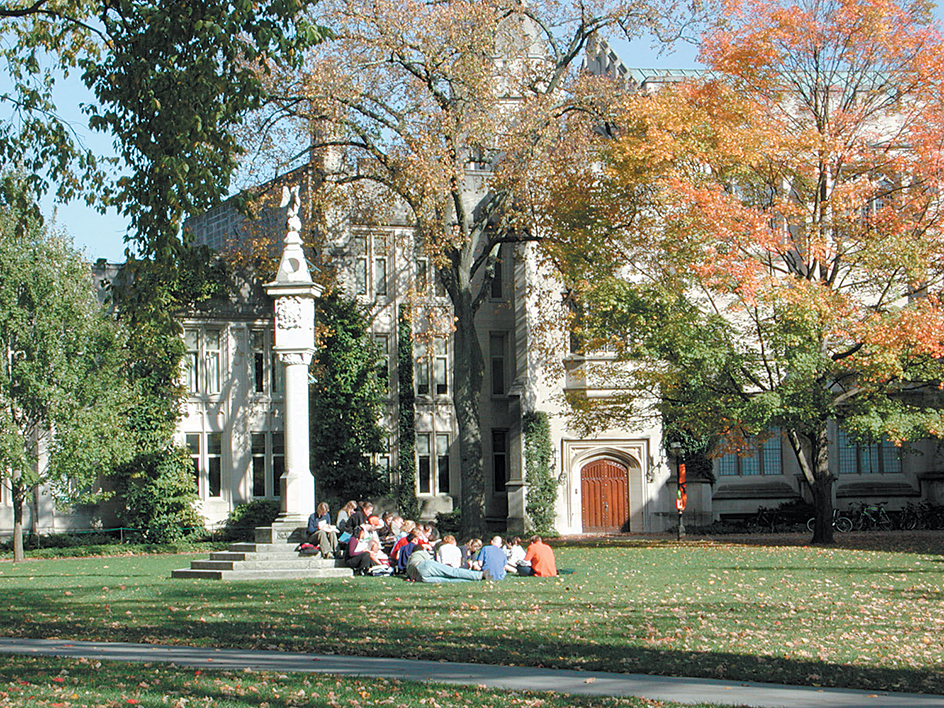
column 360, row 538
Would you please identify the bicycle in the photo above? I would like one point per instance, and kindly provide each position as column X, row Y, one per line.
column 911, row 517
column 873, row 516
column 840, row 522
column 765, row 521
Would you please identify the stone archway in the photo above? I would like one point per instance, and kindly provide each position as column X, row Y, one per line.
column 604, row 492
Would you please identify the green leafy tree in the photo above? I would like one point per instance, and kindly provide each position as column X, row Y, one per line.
column 346, row 404
column 63, row 388
column 172, row 80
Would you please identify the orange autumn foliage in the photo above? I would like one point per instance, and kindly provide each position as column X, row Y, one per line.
column 784, row 210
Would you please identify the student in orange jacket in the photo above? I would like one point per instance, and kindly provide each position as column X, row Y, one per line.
column 541, row 557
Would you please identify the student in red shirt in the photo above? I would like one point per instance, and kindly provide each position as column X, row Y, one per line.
column 541, row 557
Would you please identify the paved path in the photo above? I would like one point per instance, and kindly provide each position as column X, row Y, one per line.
column 683, row 690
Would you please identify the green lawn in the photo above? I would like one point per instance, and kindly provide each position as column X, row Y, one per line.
column 58, row 683
column 834, row 617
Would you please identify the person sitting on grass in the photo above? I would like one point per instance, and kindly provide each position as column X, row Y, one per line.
column 380, row 561
column 541, row 557
column 448, row 552
column 396, row 528
column 402, row 541
column 491, row 560
column 413, row 541
column 514, row 554
column 421, row 568
column 469, row 550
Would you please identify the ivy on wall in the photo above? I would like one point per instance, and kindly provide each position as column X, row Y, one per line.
column 539, row 475
column 406, row 417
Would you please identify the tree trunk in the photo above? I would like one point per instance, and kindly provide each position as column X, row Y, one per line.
column 822, row 489
column 812, row 451
column 469, row 373
column 18, row 500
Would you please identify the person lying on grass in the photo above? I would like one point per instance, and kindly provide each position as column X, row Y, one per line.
column 421, row 568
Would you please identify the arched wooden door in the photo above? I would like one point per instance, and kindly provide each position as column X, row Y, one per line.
column 604, row 488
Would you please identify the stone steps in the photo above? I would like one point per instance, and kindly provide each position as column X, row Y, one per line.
column 269, row 574
column 275, row 558
column 257, row 564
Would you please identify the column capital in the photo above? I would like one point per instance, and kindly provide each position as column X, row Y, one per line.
column 295, row 357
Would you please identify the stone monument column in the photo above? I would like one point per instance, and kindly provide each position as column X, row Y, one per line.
column 294, row 293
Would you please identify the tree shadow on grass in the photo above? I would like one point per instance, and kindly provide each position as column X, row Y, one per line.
column 184, row 617
column 918, row 542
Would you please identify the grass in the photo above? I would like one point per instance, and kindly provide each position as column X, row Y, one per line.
column 845, row 617
column 60, row 683
column 117, row 549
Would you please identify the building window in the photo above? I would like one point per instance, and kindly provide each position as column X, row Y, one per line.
column 192, row 360
column 424, row 475
column 438, row 288
column 268, row 464
column 268, row 372
column 278, row 462
column 432, row 480
column 500, row 459
column 761, row 456
column 496, row 348
column 440, row 366
column 259, row 359
column 203, row 361
column 259, row 465
column 382, row 342
column 498, row 276
column 422, row 368
column 383, row 462
column 442, row 463
column 214, row 464
column 380, row 277
column 881, row 457
column 422, row 276
column 213, row 358
column 360, row 276
column 206, row 455
column 193, row 444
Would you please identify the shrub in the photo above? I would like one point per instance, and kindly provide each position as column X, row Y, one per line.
column 159, row 494
column 448, row 522
column 33, row 541
column 243, row 520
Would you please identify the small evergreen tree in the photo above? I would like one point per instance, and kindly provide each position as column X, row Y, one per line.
column 539, row 475
column 160, row 494
column 346, row 404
